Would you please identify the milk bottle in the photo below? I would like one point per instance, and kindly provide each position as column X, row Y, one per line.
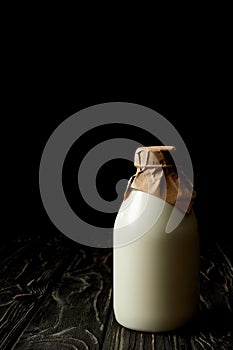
column 156, row 274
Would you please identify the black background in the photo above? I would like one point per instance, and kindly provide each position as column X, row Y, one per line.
column 190, row 89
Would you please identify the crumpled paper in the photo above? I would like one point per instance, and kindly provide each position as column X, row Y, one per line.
column 157, row 174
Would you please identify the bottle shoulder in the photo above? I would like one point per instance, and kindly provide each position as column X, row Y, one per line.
column 142, row 213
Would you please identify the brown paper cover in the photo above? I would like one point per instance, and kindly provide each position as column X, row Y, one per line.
column 156, row 174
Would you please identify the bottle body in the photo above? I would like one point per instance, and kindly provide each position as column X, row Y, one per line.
column 156, row 276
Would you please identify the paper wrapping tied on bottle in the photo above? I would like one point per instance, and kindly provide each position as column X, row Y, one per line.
column 157, row 174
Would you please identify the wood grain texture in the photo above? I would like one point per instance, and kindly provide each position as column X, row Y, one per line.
column 74, row 315
column 118, row 337
column 29, row 268
column 56, row 294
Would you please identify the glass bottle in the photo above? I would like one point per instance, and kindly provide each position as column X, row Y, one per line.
column 156, row 274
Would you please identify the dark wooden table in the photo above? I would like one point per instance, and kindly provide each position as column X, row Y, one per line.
column 56, row 294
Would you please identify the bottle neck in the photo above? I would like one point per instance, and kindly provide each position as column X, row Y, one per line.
column 157, row 175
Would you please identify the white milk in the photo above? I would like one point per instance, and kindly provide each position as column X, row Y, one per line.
column 156, row 277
